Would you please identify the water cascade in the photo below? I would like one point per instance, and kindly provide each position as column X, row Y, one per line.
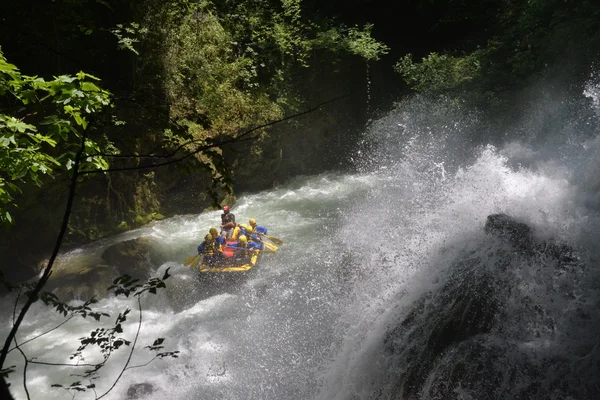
column 459, row 261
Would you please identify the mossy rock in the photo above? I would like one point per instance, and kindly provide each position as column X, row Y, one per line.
column 229, row 199
column 123, row 226
column 136, row 258
column 157, row 216
column 82, row 281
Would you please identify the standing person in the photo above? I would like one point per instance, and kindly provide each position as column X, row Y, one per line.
column 227, row 223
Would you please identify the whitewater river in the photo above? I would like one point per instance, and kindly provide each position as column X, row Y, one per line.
column 387, row 286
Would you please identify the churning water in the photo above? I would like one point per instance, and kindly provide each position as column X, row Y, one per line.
column 387, row 287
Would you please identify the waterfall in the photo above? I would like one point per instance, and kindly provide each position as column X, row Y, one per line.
column 389, row 285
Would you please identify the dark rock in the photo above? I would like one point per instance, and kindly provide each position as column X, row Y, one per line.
column 131, row 257
column 517, row 233
column 81, row 281
column 467, row 306
column 139, row 390
column 452, row 339
column 521, row 236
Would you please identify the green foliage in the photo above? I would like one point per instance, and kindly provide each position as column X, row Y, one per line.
column 438, row 72
column 129, row 34
column 43, row 132
column 531, row 38
column 361, row 43
column 229, row 66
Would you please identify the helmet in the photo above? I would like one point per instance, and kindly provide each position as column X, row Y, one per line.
column 243, row 238
column 226, row 208
column 213, row 231
column 252, row 221
column 208, row 237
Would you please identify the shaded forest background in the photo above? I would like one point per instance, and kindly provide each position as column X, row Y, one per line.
column 183, row 72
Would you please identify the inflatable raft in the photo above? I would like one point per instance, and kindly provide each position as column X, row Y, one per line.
column 234, row 260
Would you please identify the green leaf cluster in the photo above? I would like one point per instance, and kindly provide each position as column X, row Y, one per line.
column 41, row 126
column 128, row 35
column 530, row 39
column 439, row 72
column 228, row 65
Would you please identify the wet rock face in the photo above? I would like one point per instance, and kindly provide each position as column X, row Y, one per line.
column 466, row 307
column 131, row 257
column 455, row 338
column 82, row 282
column 517, row 233
column 139, row 391
column 522, row 238
column 136, row 258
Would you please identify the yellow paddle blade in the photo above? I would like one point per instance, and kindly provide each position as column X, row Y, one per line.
column 195, row 263
column 278, row 242
column 270, row 246
column 190, row 259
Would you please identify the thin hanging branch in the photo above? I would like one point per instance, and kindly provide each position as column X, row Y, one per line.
column 33, row 295
column 235, row 139
column 24, row 369
column 137, row 334
column 45, row 333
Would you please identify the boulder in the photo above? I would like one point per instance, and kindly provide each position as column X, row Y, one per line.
column 133, row 257
column 139, row 390
column 81, row 282
column 453, row 338
column 516, row 233
column 522, row 238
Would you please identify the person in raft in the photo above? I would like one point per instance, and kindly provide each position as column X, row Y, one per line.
column 219, row 240
column 252, row 230
column 257, row 229
column 243, row 250
column 209, row 249
column 227, row 223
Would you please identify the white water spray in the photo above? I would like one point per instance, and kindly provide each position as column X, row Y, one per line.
column 360, row 301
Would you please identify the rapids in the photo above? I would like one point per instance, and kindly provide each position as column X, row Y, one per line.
column 374, row 264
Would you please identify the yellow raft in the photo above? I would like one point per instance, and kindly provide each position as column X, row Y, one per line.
column 230, row 263
column 230, row 266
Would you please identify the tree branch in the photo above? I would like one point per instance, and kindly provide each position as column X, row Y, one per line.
column 130, row 353
column 48, row 331
column 16, row 303
column 142, row 365
column 24, row 369
column 33, row 296
column 216, row 144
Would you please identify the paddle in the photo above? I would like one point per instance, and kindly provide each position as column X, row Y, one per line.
column 278, row 242
column 246, row 248
column 195, row 263
column 269, row 246
column 190, row 259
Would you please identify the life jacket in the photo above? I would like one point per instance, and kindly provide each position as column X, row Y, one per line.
column 220, row 241
column 237, row 231
column 208, row 247
column 249, row 232
column 244, row 251
column 225, row 218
